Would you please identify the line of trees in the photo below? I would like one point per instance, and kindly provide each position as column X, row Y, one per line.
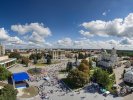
column 15, row 55
column 38, row 56
column 83, row 56
column 34, row 57
column 21, row 59
column 124, row 53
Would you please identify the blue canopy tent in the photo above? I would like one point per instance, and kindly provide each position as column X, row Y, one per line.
column 19, row 77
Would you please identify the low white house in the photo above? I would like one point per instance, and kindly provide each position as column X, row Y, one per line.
column 128, row 76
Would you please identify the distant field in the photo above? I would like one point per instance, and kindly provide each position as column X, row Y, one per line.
column 123, row 52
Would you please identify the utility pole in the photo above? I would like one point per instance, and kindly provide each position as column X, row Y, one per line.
column 35, row 59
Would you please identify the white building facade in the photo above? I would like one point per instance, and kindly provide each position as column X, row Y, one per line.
column 128, row 76
column 57, row 54
column 2, row 50
column 5, row 61
column 108, row 60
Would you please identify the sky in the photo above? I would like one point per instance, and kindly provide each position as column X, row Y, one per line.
column 86, row 24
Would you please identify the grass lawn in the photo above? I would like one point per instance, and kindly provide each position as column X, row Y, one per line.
column 39, row 64
column 34, row 71
column 30, row 92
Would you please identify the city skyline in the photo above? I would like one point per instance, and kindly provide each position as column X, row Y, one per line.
column 87, row 24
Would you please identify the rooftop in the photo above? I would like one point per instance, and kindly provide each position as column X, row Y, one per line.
column 7, row 60
column 21, row 76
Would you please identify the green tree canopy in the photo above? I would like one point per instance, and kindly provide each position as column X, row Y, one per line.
column 8, row 93
column 38, row 56
column 78, row 78
column 25, row 61
column 35, row 60
column 101, row 77
column 69, row 66
column 4, row 73
column 90, row 63
column 80, row 56
column 85, row 62
column 32, row 56
column 48, row 58
column 15, row 55
column 83, row 67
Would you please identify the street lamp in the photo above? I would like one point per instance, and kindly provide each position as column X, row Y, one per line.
column 35, row 59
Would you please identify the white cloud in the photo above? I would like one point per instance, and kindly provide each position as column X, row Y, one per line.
column 118, row 27
column 86, row 34
column 21, row 29
column 113, row 42
column 85, row 43
column 34, row 40
column 3, row 34
column 4, row 37
column 126, row 41
column 65, row 42
column 15, row 40
column 30, row 28
column 104, row 13
column 38, row 31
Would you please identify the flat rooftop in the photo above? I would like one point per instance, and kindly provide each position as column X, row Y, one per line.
column 7, row 60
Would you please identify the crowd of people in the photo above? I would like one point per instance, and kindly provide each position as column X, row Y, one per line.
column 49, row 82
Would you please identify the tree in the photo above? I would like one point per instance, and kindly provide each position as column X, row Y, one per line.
column 39, row 56
column 77, row 78
column 15, row 55
column 32, row 56
column 8, row 93
column 124, row 71
column 35, row 60
column 80, row 56
column 48, row 58
column 4, row 73
column 110, row 70
column 69, row 66
column 90, row 63
column 86, row 55
column 76, row 58
column 85, row 62
column 102, row 77
column 83, row 67
column 25, row 61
